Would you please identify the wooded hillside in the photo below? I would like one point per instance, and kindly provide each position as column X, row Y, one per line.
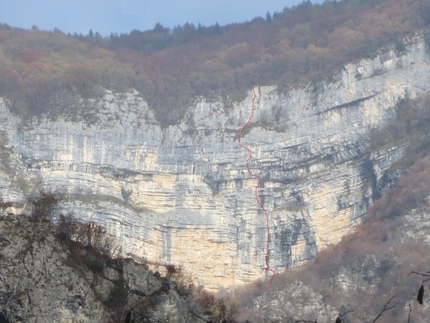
column 171, row 67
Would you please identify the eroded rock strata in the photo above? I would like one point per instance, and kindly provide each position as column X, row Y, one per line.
column 182, row 194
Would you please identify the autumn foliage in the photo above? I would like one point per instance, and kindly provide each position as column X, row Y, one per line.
column 411, row 191
column 44, row 204
column 171, row 67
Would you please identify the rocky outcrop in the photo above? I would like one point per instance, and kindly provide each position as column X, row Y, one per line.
column 41, row 282
column 296, row 302
column 35, row 282
column 416, row 226
column 182, row 194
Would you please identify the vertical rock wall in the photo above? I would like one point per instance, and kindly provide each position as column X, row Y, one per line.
column 182, row 194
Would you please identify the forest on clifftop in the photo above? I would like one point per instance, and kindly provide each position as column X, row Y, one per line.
column 170, row 68
column 300, row 45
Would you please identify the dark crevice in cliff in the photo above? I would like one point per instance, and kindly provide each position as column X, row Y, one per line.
column 368, row 169
column 348, row 104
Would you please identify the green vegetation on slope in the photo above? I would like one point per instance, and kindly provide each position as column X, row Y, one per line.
column 171, row 67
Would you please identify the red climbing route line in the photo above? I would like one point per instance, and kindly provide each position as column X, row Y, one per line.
column 257, row 187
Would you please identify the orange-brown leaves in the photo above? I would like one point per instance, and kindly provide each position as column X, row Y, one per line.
column 30, row 56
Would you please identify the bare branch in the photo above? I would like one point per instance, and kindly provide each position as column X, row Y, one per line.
column 422, row 275
column 386, row 308
column 410, row 310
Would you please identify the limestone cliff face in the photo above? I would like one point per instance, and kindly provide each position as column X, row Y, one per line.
column 183, row 195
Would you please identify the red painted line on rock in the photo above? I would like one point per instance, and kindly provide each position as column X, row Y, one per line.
column 257, row 187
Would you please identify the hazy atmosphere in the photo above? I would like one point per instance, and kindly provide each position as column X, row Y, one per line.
column 199, row 161
column 122, row 16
